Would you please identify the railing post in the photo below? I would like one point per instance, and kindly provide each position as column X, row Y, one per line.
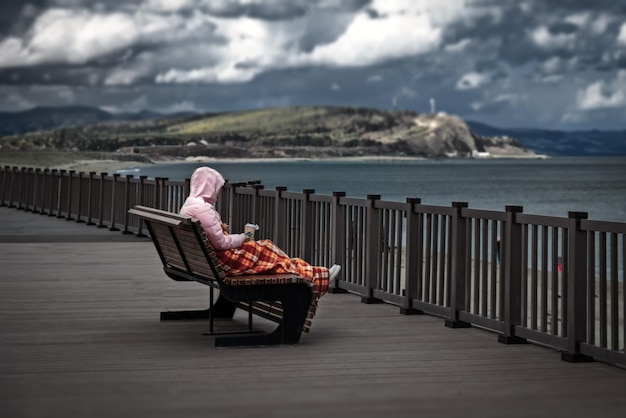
column 457, row 268
column 511, row 262
column 126, row 203
column 79, row 198
column 223, row 200
column 576, row 290
column 59, row 199
column 372, row 249
column 29, row 180
column 45, row 191
column 141, row 199
column 163, row 195
column 101, row 201
column 155, row 195
column 20, row 190
column 12, row 186
column 412, row 261
column 52, row 201
column 280, row 227
column 187, row 191
column 256, row 204
column 5, row 182
column 90, row 198
column 68, row 215
column 36, row 192
column 116, row 176
column 306, row 242
column 338, row 237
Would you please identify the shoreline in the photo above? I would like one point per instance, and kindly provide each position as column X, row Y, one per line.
column 113, row 165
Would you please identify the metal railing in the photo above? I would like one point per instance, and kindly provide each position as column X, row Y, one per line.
column 528, row 278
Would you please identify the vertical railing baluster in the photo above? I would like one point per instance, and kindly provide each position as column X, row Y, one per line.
column 544, row 279
column 614, row 294
column 591, row 287
column 554, row 283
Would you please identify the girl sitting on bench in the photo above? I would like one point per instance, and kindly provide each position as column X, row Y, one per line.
column 237, row 253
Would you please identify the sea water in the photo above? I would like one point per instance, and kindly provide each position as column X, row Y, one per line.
column 551, row 186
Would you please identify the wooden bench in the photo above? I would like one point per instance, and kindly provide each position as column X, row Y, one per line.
column 187, row 255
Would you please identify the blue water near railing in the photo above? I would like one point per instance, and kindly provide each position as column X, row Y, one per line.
column 552, row 186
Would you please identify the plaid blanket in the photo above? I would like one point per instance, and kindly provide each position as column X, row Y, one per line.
column 263, row 256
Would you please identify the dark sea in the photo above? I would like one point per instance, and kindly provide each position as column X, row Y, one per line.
column 551, row 186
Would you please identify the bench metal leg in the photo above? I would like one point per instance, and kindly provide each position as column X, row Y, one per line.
column 222, row 309
column 296, row 300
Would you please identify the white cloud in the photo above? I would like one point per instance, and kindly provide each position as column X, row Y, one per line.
column 219, row 74
column 621, row 38
column 168, row 5
column 404, row 28
column 124, row 76
column 369, row 41
column 77, row 36
column 477, row 106
column 602, row 95
column 202, row 48
column 184, row 106
column 459, row 46
column 552, row 65
column 249, row 47
column 472, row 81
column 542, row 37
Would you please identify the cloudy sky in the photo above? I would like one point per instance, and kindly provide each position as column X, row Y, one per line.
column 511, row 63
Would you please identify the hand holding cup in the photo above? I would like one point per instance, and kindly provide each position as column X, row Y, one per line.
column 250, row 230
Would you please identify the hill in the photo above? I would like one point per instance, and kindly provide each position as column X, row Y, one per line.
column 312, row 131
column 52, row 118
column 550, row 142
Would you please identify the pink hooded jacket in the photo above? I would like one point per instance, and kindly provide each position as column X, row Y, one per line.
column 206, row 184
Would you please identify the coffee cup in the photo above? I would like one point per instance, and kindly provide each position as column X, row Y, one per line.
column 250, row 229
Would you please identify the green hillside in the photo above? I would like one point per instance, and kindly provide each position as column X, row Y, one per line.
column 313, row 131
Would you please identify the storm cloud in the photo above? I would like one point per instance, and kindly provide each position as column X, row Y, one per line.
column 535, row 63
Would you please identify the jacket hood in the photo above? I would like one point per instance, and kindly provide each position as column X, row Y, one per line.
column 206, row 183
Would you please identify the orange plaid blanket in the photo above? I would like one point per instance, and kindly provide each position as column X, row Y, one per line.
column 263, row 256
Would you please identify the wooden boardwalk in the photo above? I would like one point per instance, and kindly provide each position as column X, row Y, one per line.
column 80, row 336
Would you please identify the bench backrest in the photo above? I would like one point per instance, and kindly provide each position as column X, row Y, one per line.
column 182, row 244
